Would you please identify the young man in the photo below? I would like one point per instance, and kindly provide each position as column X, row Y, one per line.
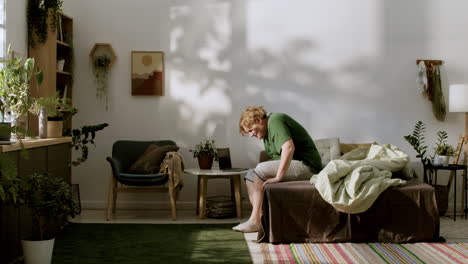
column 292, row 150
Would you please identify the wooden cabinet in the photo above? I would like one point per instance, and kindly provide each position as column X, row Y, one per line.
column 55, row 59
column 50, row 155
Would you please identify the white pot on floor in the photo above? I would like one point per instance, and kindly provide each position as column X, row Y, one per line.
column 38, row 252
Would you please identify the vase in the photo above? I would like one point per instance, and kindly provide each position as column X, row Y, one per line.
column 20, row 123
column 43, row 123
column 205, row 162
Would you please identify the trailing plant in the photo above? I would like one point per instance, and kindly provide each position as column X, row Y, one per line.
column 50, row 200
column 206, row 148
column 416, row 140
column 38, row 12
column 101, row 66
column 442, row 148
column 82, row 137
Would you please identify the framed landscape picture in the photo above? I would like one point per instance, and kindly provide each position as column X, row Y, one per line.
column 148, row 73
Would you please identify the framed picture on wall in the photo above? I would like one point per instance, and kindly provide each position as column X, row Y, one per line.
column 148, row 73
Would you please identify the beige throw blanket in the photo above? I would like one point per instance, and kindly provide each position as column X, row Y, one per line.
column 353, row 183
column 173, row 164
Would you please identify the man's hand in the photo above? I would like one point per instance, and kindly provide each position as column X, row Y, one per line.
column 271, row 180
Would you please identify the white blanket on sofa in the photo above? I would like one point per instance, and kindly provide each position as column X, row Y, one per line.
column 353, row 183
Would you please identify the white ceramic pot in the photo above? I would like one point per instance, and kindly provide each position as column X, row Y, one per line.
column 54, row 129
column 38, row 252
column 441, row 160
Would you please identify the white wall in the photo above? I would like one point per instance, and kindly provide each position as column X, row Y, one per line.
column 343, row 69
column 17, row 30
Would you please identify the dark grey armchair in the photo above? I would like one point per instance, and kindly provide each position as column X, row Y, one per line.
column 124, row 154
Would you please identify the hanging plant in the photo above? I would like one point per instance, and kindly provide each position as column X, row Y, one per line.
column 38, row 13
column 101, row 66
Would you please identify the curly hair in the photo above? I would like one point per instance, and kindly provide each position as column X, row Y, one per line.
column 248, row 117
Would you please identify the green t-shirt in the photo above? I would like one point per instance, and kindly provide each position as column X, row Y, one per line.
column 282, row 128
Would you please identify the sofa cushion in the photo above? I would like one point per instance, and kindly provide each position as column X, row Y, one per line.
column 328, row 148
column 150, row 161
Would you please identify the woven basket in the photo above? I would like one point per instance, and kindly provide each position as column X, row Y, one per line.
column 220, row 207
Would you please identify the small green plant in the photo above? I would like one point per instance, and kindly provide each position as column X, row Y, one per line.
column 49, row 198
column 54, row 105
column 416, row 140
column 206, row 148
column 442, row 148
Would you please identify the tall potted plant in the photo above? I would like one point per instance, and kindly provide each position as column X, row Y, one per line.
column 51, row 202
column 14, row 83
column 205, row 152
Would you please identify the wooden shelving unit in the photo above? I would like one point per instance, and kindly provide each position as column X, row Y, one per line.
column 58, row 46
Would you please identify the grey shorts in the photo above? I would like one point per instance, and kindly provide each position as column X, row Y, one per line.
column 297, row 171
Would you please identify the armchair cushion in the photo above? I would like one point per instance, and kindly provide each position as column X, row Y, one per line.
column 150, row 161
column 143, row 179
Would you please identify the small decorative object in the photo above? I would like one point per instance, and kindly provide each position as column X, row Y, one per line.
column 43, row 123
column 443, row 151
column 60, row 65
column 429, row 82
column 148, row 73
column 205, row 152
column 102, row 57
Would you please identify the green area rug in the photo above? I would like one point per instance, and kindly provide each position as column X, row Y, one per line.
column 150, row 243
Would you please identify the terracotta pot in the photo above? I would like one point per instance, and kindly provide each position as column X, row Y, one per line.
column 205, row 162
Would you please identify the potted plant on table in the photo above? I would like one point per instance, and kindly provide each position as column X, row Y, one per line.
column 51, row 202
column 51, row 112
column 14, row 84
column 443, row 151
column 205, row 152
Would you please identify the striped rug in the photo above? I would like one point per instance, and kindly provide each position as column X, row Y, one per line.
column 372, row 253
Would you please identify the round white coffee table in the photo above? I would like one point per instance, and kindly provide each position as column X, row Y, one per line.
column 205, row 175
